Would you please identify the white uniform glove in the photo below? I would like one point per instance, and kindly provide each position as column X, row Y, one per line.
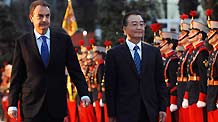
column 101, row 103
column 201, row 104
column 12, row 112
column 185, row 103
column 85, row 101
column 217, row 105
column 94, row 104
column 5, row 98
column 173, row 107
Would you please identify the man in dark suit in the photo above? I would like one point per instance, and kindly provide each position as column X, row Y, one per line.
column 134, row 80
column 38, row 74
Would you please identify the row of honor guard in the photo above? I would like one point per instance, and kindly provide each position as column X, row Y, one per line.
column 191, row 76
column 190, row 71
column 91, row 60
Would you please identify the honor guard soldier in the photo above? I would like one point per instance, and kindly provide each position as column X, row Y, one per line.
column 182, row 76
column 167, row 48
column 212, row 72
column 98, row 58
column 4, row 90
column 87, row 65
column 89, row 69
column 195, row 95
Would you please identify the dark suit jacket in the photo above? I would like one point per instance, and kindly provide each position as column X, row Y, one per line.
column 33, row 83
column 125, row 89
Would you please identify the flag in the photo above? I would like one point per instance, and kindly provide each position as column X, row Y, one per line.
column 69, row 23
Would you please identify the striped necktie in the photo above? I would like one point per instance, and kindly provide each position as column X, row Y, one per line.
column 137, row 59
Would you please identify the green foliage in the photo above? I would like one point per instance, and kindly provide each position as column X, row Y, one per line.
column 185, row 6
column 8, row 34
column 110, row 15
column 211, row 4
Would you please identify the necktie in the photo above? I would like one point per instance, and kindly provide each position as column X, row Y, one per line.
column 44, row 51
column 137, row 59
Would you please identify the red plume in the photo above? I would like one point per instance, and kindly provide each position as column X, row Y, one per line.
column 107, row 43
column 193, row 13
column 155, row 27
column 91, row 41
column 183, row 16
column 81, row 42
column 121, row 40
column 88, row 47
column 209, row 12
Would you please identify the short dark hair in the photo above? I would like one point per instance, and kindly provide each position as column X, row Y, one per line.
column 36, row 3
column 126, row 16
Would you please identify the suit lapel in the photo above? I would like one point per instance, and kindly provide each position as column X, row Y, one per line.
column 144, row 58
column 53, row 44
column 52, row 47
column 127, row 54
column 35, row 48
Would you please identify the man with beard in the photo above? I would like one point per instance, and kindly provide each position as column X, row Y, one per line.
column 38, row 74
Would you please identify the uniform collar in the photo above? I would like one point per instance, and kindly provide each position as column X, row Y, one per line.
column 187, row 47
column 163, row 55
column 170, row 53
column 198, row 44
column 215, row 47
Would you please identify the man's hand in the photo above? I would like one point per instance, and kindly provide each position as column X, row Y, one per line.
column 201, row 104
column 12, row 114
column 66, row 119
column 162, row 116
column 173, row 107
column 112, row 119
column 185, row 103
column 217, row 105
column 85, row 101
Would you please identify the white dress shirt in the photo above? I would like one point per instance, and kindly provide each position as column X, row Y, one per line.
column 132, row 45
column 39, row 40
